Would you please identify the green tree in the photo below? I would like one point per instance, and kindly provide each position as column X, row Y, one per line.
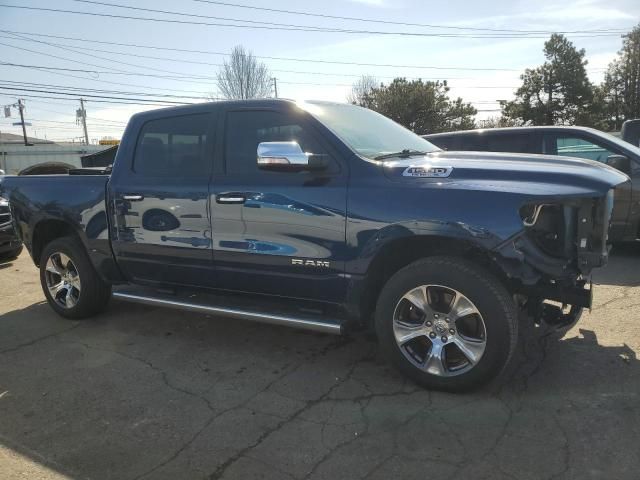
column 557, row 92
column 609, row 98
column 630, row 73
column 423, row 107
column 617, row 98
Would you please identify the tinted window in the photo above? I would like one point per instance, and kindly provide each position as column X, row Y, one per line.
column 245, row 130
column 174, row 146
column 442, row 142
column 516, row 143
column 474, row 142
column 571, row 146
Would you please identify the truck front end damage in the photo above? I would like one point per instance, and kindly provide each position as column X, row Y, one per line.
column 550, row 260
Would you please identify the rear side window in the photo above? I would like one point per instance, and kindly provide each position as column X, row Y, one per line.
column 173, row 146
column 476, row 142
column 515, row 142
column 246, row 129
column 442, row 142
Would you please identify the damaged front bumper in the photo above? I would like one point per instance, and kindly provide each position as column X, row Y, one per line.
column 560, row 275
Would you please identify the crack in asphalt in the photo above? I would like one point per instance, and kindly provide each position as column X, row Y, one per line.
column 165, row 379
column 219, row 472
column 39, row 339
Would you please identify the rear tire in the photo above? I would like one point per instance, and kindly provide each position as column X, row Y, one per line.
column 69, row 281
column 447, row 323
column 11, row 255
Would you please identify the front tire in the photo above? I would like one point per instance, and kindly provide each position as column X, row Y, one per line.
column 447, row 323
column 69, row 281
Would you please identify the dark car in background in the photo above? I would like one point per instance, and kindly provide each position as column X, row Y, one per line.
column 10, row 244
column 579, row 142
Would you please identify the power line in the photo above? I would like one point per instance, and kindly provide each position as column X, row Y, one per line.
column 61, row 122
column 55, row 71
column 96, row 90
column 265, row 57
column 98, row 99
column 166, row 102
column 282, row 27
column 73, row 50
column 389, row 22
column 333, row 29
column 196, row 62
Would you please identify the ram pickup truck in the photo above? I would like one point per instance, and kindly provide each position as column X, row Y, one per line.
column 328, row 217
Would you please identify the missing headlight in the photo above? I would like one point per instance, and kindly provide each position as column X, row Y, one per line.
column 550, row 227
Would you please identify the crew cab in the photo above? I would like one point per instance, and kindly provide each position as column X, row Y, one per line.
column 329, row 217
column 578, row 142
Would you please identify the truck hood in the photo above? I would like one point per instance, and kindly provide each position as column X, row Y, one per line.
column 517, row 173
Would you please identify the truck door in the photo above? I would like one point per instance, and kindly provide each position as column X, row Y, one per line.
column 582, row 145
column 160, row 216
column 278, row 232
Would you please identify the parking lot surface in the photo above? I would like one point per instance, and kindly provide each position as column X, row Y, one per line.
column 150, row 393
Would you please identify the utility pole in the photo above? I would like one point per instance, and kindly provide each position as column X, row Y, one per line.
column 24, row 129
column 275, row 85
column 81, row 115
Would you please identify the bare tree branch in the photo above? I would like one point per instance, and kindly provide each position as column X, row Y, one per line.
column 361, row 89
column 243, row 77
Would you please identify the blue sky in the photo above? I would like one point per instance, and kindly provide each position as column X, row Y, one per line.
column 55, row 119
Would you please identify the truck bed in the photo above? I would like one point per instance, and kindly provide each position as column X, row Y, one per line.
column 75, row 201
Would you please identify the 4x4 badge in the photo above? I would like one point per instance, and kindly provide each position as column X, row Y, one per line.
column 428, row 172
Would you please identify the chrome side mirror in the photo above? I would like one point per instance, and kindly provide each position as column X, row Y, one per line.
column 288, row 156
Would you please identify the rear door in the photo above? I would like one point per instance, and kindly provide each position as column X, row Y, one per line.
column 278, row 232
column 161, row 223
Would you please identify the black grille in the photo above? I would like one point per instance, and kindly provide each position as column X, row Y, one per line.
column 5, row 214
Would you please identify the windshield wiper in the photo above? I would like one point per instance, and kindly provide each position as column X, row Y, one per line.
column 406, row 153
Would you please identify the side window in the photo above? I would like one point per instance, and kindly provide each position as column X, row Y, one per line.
column 246, row 129
column 474, row 142
column 173, row 146
column 442, row 142
column 515, row 142
column 573, row 146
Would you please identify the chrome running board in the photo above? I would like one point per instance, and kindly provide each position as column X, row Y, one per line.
column 331, row 326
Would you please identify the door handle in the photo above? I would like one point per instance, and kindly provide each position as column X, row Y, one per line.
column 133, row 198
column 230, row 198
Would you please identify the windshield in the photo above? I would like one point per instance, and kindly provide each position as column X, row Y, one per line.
column 367, row 132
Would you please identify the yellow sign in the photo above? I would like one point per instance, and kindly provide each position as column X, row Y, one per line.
column 109, row 142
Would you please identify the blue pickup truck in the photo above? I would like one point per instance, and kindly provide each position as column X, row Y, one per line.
column 328, row 217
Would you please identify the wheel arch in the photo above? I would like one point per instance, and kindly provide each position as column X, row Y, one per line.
column 47, row 230
column 402, row 251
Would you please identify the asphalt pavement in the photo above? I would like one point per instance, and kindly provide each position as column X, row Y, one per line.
column 151, row 393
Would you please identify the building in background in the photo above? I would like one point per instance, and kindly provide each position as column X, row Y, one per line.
column 16, row 157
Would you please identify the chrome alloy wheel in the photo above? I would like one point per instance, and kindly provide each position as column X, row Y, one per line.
column 439, row 330
column 63, row 281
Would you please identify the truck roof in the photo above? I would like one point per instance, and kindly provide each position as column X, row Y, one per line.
column 480, row 131
column 209, row 106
